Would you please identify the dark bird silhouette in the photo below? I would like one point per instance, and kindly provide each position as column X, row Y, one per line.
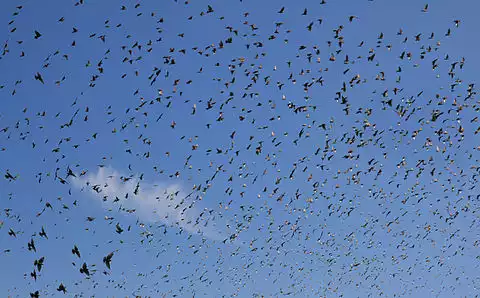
column 108, row 259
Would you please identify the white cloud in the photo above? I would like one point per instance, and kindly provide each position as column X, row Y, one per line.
column 159, row 202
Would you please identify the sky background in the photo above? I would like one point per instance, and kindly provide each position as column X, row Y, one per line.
column 220, row 214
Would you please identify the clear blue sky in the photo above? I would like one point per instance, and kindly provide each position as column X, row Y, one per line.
column 230, row 191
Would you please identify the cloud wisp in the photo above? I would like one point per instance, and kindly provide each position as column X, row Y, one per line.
column 158, row 202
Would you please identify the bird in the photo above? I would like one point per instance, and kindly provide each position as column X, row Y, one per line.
column 108, row 259
column 39, row 263
column 84, row 269
column 31, row 245
column 39, row 77
column 43, row 234
column 75, row 251
column 61, row 288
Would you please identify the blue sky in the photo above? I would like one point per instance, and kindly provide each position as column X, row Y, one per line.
column 182, row 133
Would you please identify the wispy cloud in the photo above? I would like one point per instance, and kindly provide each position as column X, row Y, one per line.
column 157, row 202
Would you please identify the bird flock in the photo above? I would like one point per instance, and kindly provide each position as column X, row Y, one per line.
column 236, row 149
